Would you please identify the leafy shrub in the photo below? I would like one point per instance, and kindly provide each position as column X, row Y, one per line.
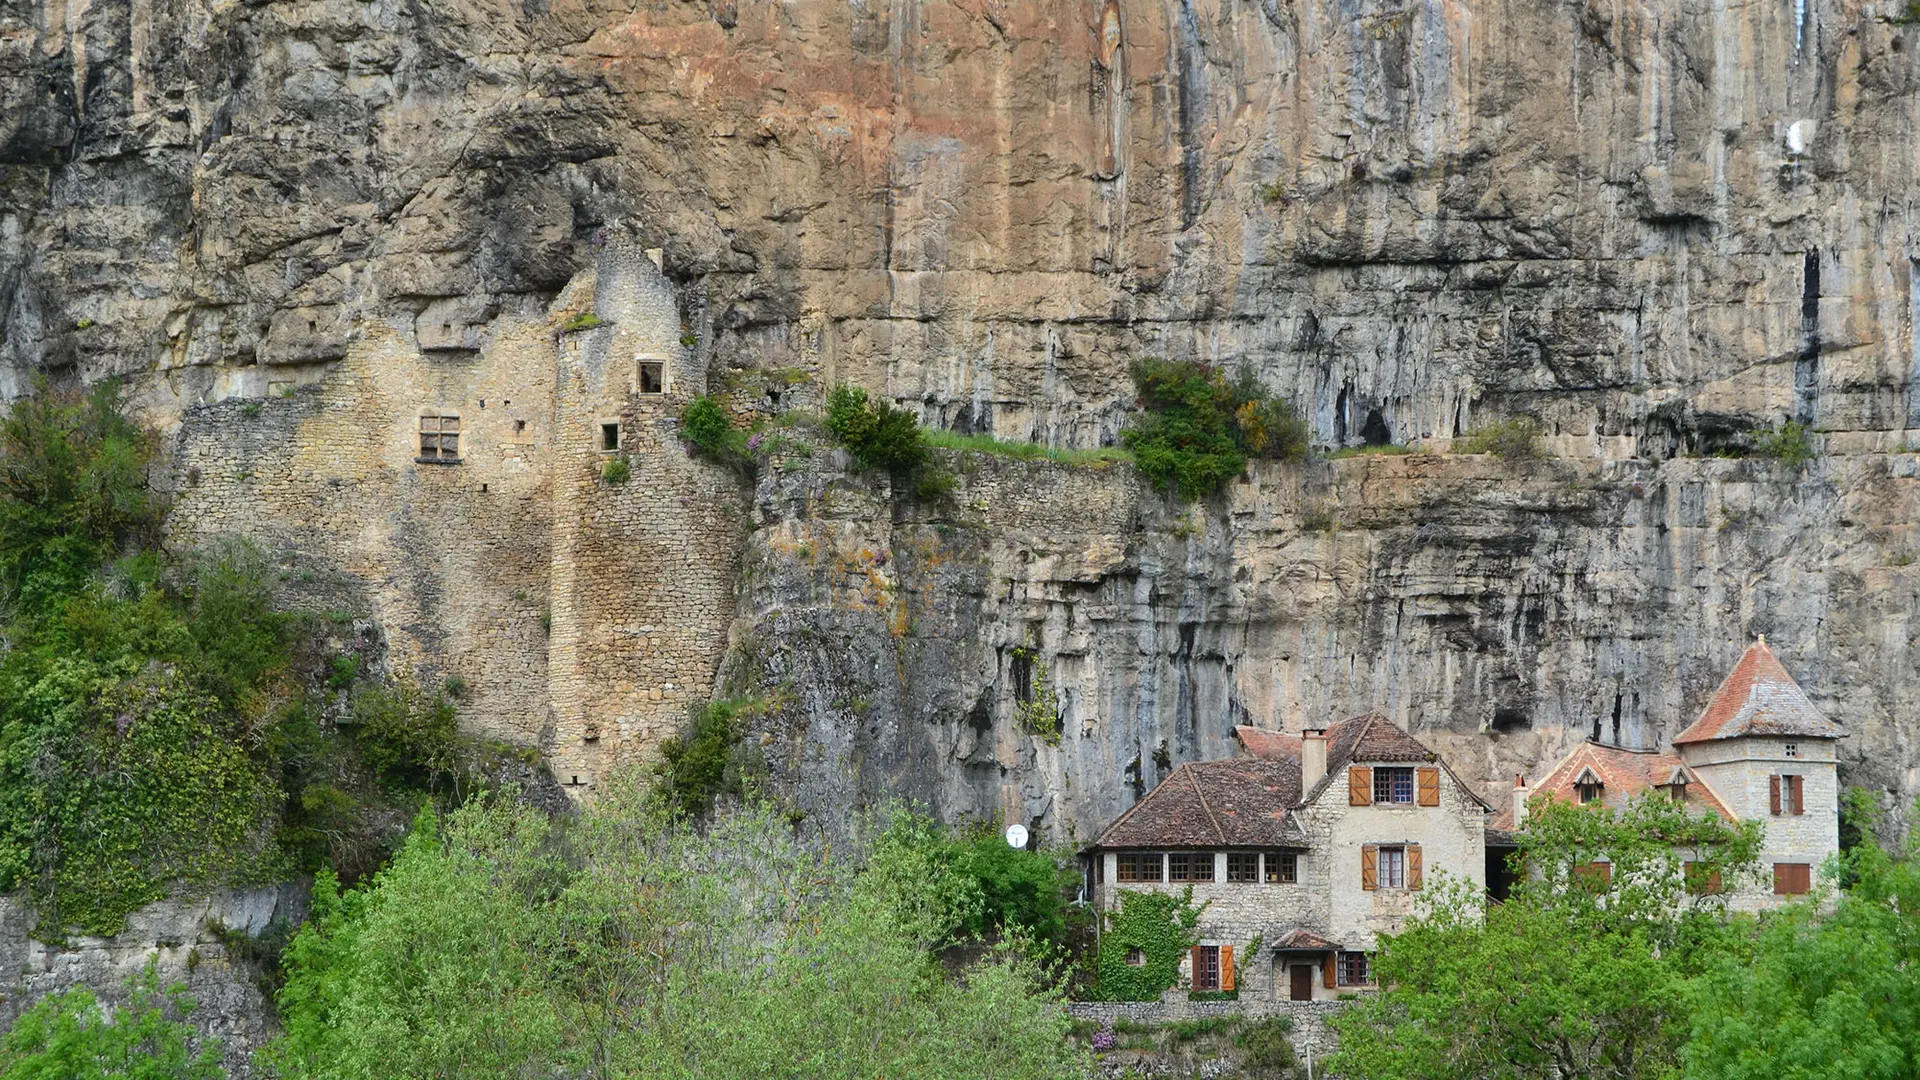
column 709, row 761
column 1265, row 1043
column 616, row 471
column 70, row 1036
column 406, row 734
column 73, row 490
column 585, row 320
column 973, row 884
column 878, row 435
column 1198, row 429
column 1514, row 438
column 1790, row 444
column 706, row 426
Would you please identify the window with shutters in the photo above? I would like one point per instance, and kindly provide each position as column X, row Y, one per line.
column 1787, row 794
column 1392, row 785
column 1392, row 867
column 1243, row 866
column 1206, row 967
column 1359, row 786
column 1792, row 878
column 1190, row 866
column 1138, row 866
column 1283, row 868
column 439, row 438
column 1427, row 785
column 1355, row 969
column 1702, row 879
column 1593, row 876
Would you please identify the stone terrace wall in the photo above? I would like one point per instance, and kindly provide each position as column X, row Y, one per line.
column 1310, row 1030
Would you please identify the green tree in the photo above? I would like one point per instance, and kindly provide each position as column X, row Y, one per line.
column 69, row 1036
column 1197, row 428
column 1830, row 992
column 1577, row 975
column 627, row 944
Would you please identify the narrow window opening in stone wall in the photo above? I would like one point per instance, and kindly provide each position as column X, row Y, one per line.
column 1243, row 866
column 1283, row 868
column 1136, row 958
column 519, row 426
column 439, row 438
column 609, row 436
column 653, row 377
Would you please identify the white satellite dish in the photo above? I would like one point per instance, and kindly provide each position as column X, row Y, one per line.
column 1017, row 836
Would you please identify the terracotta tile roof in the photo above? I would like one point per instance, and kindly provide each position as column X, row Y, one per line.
column 1242, row 802
column 1759, row 698
column 1298, row 939
column 1271, row 745
column 1371, row 738
column 1623, row 774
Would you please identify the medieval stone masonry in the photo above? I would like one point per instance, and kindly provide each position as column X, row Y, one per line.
column 454, row 491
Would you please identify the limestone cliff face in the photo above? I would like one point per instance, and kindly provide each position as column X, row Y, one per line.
column 1501, row 611
column 1650, row 225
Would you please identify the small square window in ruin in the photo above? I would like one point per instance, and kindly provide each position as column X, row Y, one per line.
column 1136, row 958
column 609, row 435
column 439, row 438
column 652, row 377
column 519, row 427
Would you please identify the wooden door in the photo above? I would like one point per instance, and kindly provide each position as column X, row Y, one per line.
column 1302, row 976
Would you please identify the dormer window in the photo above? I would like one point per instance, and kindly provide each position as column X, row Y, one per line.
column 1678, row 791
column 1588, row 786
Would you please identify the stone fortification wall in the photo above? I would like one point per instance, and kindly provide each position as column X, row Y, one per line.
column 450, row 560
column 643, row 566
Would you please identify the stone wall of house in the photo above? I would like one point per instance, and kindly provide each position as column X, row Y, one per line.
column 188, row 940
column 1739, row 771
column 1452, row 839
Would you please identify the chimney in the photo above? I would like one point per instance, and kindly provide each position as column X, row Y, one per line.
column 1313, row 758
column 1519, row 800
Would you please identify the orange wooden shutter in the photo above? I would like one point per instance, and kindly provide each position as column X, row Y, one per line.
column 1359, row 786
column 1333, row 971
column 1194, row 977
column 1413, row 866
column 1429, row 787
column 1226, row 967
column 1799, row 794
column 1370, row 867
column 1773, row 792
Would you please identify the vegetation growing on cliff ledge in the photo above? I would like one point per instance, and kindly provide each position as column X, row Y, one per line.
column 1198, row 428
column 72, row 1036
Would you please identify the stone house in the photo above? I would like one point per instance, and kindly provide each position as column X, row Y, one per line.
column 1759, row 751
column 1303, row 853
